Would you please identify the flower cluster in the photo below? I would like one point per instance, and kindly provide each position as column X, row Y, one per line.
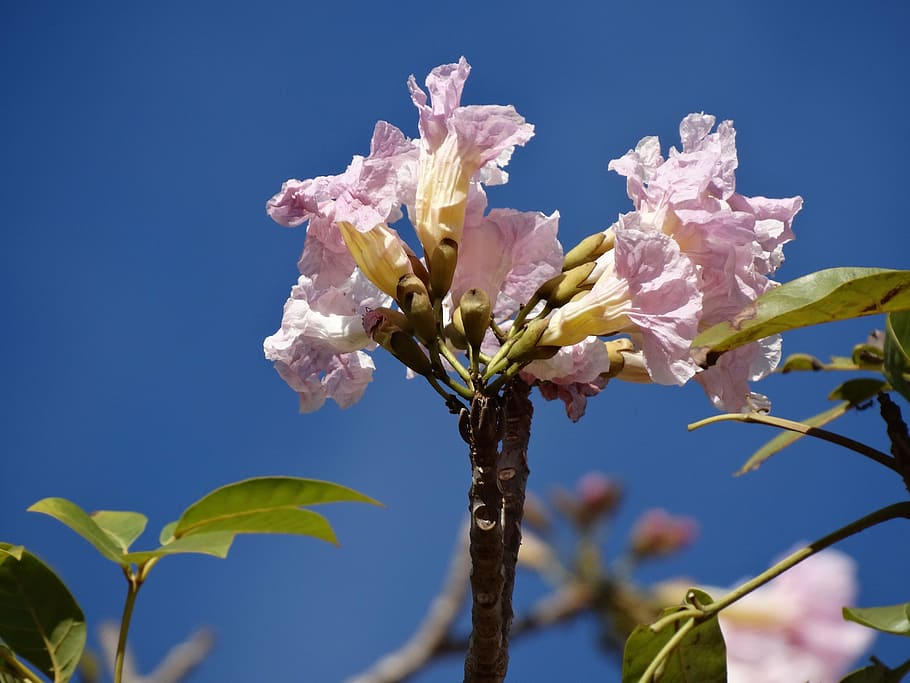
column 496, row 285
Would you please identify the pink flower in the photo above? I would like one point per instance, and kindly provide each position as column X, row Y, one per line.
column 573, row 375
column 792, row 630
column 353, row 259
column 734, row 242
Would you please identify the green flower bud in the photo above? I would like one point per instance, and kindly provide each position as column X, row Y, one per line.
column 525, row 345
column 474, row 308
column 414, row 300
column 454, row 332
column 583, row 251
column 442, row 267
column 559, row 289
column 404, row 347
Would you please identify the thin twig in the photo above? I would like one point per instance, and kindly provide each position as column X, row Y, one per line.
column 800, row 428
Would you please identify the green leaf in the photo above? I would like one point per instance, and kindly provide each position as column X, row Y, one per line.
column 851, row 394
column 122, row 527
column 858, row 391
column 167, row 533
column 802, row 362
column 700, row 656
column 890, row 619
column 216, row 543
column 39, row 619
column 825, row 296
column 267, row 505
column 897, row 352
column 79, row 521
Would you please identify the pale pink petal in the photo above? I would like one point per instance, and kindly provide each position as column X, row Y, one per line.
column 445, row 84
column 573, row 375
column 666, row 303
column 508, row 254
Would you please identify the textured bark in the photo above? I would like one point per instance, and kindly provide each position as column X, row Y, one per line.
column 512, row 474
column 481, row 429
column 899, row 436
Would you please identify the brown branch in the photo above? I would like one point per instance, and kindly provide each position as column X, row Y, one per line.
column 512, row 473
column 897, row 433
column 423, row 645
column 481, row 429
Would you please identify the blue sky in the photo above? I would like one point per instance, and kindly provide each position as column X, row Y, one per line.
column 139, row 144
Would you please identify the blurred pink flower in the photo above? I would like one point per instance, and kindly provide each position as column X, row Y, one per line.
column 792, row 629
column 658, row 533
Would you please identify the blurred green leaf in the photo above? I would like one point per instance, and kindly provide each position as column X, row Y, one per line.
column 39, row 619
column 851, row 394
column 803, row 362
column 121, row 526
column 890, row 619
column 216, row 543
column 897, row 352
column 80, row 521
column 14, row 551
column 267, row 505
column 858, row 391
column 825, row 296
column 700, row 656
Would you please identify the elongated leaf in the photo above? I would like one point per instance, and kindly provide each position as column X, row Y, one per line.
column 122, row 527
column 700, row 656
column 825, row 296
column 897, row 352
column 852, row 393
column 39, row 619
column 784, row 439
column 266, row 505
column 803, row 362
column 216, row 543
column 79, row 521
column 890, row 619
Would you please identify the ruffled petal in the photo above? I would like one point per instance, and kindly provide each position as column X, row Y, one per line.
column 508, row 254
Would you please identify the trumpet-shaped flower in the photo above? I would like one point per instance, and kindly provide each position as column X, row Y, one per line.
column 353, row 260
column 456, row 143
column 734, row 242
column 645, row 287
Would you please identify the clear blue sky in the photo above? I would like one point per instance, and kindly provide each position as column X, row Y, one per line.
column 139, row 144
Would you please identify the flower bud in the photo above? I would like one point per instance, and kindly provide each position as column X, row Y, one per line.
column 559, row 289
column 454, row 331
column 589, row 249
column 474, row 308
column 442, row 267
column 412, row 296
column 408, row 351
column 380, row 323
column 525, row 347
